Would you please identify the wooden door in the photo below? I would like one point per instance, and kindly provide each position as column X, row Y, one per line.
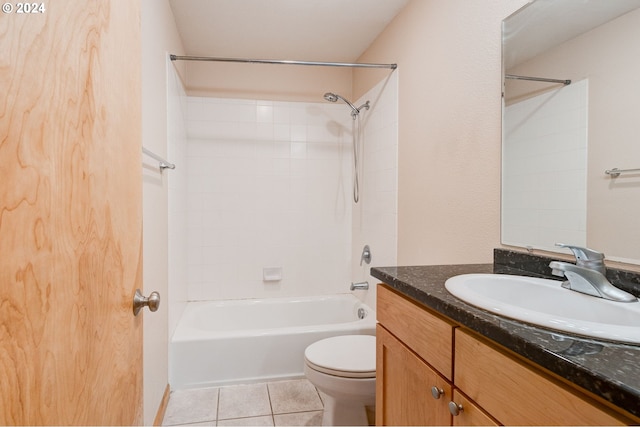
column 70, row 213
column 403, row 386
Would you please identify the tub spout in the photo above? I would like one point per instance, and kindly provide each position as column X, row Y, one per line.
column 359, row 285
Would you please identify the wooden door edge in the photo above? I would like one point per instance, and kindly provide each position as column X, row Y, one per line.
column 162, row 409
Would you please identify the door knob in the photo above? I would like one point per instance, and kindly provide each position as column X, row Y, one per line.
column 140, row 301
column 455, row 408
column 437, row 392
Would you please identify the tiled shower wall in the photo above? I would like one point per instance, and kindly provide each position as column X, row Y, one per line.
column 268, row 188
column 269, row 185
column 177, row 195
column 375, row 218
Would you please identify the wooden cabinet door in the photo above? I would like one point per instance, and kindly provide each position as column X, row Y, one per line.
column 403, row 386
column 70, row 213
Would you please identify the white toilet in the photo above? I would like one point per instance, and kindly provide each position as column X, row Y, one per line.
column 344, row 369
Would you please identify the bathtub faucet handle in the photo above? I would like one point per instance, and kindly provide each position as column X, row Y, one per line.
column 366, row 255
column 359, row 285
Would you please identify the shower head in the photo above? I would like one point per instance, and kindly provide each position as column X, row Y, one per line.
column 355, row 113
column 333, row 97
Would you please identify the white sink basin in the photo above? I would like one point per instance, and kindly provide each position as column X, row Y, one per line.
column 545, row 303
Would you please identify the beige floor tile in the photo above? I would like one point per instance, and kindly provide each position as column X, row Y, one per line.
column 191, row 406
column 243, row 401
column 266, row 420
column 299, row 419
column 294, row 396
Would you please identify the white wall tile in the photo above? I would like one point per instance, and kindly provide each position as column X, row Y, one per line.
column 263, row 196
column 375, row 217
column 269, row 184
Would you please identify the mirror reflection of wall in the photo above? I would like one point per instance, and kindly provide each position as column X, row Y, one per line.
column 554, row 184
column 544, row 179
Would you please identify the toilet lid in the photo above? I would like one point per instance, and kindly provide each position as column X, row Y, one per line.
column 351, row 356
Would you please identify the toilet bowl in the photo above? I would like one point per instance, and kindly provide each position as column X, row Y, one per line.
column 344, row 369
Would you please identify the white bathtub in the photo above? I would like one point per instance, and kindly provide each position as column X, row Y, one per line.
column 240, row 341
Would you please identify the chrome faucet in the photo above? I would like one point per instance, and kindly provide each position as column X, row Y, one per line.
column 588, row 275
column 359, row 285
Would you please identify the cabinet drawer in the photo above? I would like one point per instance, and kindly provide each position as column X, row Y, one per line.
column 517, row 394
column 430, row 336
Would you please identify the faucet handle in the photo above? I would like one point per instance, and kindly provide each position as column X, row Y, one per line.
column 583, row 254
column 586, row 257
column 366, row 255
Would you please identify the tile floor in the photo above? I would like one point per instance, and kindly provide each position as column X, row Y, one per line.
column 280, row 403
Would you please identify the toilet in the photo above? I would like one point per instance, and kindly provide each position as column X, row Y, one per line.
column 344, row 369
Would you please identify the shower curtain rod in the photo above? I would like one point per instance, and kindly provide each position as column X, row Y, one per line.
column 537, row 79
column 282, row 62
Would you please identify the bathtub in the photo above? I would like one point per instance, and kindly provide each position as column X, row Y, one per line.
column 241, row 341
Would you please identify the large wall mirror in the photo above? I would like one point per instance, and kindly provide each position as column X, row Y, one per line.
column 559, row 140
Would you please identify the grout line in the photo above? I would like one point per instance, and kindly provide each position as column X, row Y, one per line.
column 319, row 396
column 241, row 418
column 299, row 412
column 273, row 418
column 218, row 406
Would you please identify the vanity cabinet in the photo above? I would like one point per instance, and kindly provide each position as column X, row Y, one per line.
column 407, row 382
column 414, row 371
column 426, row 362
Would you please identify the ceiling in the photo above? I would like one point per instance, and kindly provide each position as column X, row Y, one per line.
column 304, row 30
column 546, row 23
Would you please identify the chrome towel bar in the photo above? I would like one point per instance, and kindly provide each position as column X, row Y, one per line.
column 615, row 172
column 163, row 164
column 537, row 79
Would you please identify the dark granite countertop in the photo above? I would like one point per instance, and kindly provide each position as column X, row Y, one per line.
column 609, row 370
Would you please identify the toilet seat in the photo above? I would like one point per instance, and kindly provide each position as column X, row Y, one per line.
column 347, row 356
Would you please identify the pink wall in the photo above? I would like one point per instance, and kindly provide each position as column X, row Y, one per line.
column 449, row 57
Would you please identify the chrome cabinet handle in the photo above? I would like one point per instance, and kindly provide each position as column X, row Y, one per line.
column 436, row 392
column 140, row 301
column 455, row 408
